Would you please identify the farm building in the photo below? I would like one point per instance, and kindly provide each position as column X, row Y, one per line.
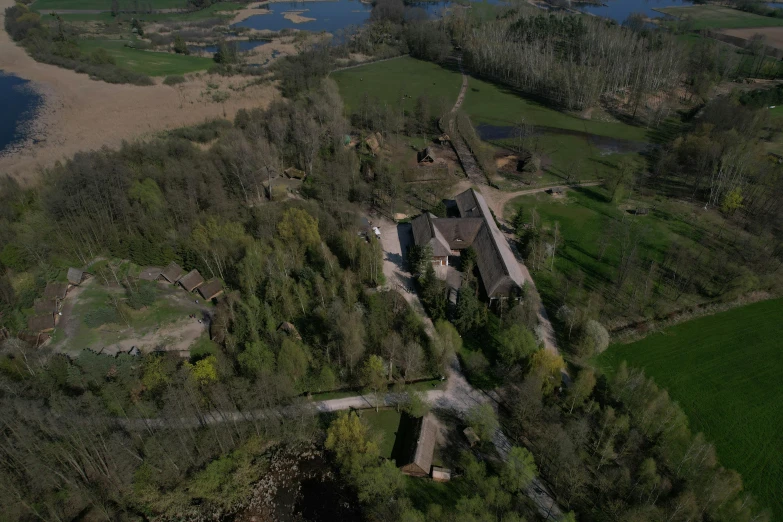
column 499, row 270
column 150, row 273
column 421, row 447
column 211, row 289
column 426, row 156
column 41, row 323
column 55, row 290
column 172, row 273
column 191, row 280
column 76, row 276
column 46, row 306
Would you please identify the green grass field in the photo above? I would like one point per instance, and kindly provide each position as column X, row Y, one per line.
column 725, row 371
column 389, row 81
column 714, row 17
column 496, row 105
column 105, row 5
column 385, row 424
column 147, row 62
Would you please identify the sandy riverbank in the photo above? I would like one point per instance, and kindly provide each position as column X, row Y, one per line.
column 296, row 16
column 83, row 114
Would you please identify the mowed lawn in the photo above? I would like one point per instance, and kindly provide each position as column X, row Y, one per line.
column 725, row 371
column 398, row 82
column 384, row 423
column 497, row 105
column 147, row 62
column 714, row 17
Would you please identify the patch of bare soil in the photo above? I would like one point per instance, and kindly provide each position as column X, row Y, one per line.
column 84, row 114
column 773, row 36
column 176, row 337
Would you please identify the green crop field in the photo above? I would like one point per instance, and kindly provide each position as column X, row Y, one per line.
column 105, row 5
column 147, row 62
column 714, row 17
column 725, row 371
column 497, row 105
column 401, row 80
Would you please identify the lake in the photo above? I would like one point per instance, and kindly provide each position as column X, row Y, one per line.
column 18, row 104
column 328, row 16
column 619, row 10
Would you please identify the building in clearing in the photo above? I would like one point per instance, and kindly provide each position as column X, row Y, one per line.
column 41, row 323
column 211, row 289
column 420, row 451
column 150, row 273
column 426, row 156
column 475, row 227
column 172, row 273
column 46, row 306
column 191, row 280
column 55, row 291
column 76, row 276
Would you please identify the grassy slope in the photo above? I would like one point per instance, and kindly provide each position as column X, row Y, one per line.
column 214, row 11
column 147, row 62
column 44, row 5
column 713, row 17
column 725, row 370
column 390, row 80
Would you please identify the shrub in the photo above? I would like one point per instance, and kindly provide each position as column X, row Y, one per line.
column 174, row 79
column 144, row 296
column 101, row 57
column 101, row 316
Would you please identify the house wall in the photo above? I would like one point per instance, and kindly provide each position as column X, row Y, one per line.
column 440, row 260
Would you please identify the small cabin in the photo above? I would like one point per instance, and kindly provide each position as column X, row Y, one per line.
column 55, row 291
column 172, row 273
column 150, row 273
column 426, row 156
column 211, row 289
column 76, row 276
column 191, row 281
column 419, row 453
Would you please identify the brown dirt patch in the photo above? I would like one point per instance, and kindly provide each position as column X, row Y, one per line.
column 83, row 114
column 773, row 35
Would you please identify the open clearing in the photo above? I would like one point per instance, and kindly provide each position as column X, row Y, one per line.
column 385, row 424
column 398, row 82
column 715, row 17
column 147, row 62
column 773, row 36
column 725, row 371
column 105, row 5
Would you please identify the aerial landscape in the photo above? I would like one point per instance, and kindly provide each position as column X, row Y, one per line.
column 391, row 260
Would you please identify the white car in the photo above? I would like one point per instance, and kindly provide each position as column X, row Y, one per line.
column 377, row 232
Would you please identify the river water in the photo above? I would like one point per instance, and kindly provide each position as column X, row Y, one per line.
column 18, row 104
column 619, row 10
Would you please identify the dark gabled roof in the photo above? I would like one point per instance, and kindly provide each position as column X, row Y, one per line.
column 426, row 154
column 45, row 306
column 150, row 273
column 468, row 204
column 191, row 280
column 75, row 276
column 55, row 290
column 211, row 289
column 41, row 323
column 458, row 232
column 422, row 449
column 172, row 273
column 424, row 233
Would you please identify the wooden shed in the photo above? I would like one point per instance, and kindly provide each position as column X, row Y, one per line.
column 426, row 156
column 41, row 323
column 150, row 273
column 55, row 290
column 470, row 434
column 172, row 273
column 441, row 474
column 211, row 289
column 46, row 306
column 191, row 280
column 290, row 329
column 420, row 451
column 76, row 276
column 294, row 173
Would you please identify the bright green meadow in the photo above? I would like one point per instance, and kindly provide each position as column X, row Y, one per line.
column 147, row 62
column 714, row 17
column 725, row 371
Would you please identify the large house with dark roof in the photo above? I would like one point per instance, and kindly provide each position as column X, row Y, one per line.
column 475, row 227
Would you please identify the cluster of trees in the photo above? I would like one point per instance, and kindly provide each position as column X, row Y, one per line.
column 621, row 449
column 53, row 41
column 572, row 61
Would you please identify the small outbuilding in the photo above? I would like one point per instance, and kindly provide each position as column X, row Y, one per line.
column 426, row 156
column 441, row 474
column 55, row 291
column 290, row 329
column 150, row 273
column 134, row 352
column 191, row 280
column 172, row 273
column 470, row 434
column 556, row 191
column 41, row 323
column 76, row 276
column 373, row 142
column 443, row 139
column 420, row 451
column 45, row 306
column 211, row 289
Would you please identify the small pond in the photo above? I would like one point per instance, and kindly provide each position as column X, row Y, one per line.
column 604, row 144
column 242, row 45
column 18, row 104
column 619, row 10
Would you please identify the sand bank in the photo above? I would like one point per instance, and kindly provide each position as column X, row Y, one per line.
column 83, row 114
column 296, row 16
